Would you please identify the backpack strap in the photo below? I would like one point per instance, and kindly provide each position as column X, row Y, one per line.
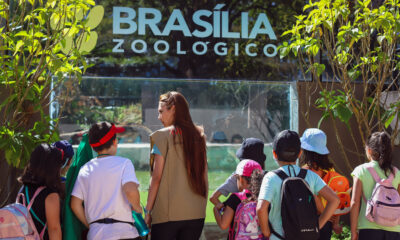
column 19, row 197
column 274, row 232
column 303, row 173
column 38, row 190
column 236, row 219
column 281, row 174
column 391, row 175
column 34, row 196
column 395, row 170
column 374, row 174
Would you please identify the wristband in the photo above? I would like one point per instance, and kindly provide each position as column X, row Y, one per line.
column 146, row 211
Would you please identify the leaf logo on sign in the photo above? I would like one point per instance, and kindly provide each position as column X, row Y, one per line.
column 85, row 42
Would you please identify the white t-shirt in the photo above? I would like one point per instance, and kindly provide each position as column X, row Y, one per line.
column 99, row 185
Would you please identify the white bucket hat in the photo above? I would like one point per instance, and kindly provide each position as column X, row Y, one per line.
column 314, row 140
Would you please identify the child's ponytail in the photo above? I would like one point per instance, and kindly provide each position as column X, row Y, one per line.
column 255, row 183
column 381, row 146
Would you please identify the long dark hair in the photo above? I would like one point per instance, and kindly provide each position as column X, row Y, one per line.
column 194, row 145
column 381, row 146
column 315, row 160
column 44, row 167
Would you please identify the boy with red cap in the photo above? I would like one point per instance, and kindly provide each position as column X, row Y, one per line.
column 108, row 188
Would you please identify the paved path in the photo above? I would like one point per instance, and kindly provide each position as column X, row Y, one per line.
column 211, row 231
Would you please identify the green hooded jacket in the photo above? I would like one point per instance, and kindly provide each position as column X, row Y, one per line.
column 72, row 227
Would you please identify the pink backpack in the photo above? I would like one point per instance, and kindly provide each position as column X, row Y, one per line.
column 384, row 206
column 16, row 221
column 245, row 225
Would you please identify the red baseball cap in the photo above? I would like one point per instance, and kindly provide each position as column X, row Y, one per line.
column 113, row 130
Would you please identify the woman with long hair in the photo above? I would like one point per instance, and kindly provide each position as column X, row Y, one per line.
column 42, row 176
column 379, row 153
column 177, row 198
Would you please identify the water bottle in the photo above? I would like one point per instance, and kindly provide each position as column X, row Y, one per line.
column 140, row 224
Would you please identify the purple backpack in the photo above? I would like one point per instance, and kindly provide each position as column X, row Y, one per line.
column 384, row 206
column 245, row 225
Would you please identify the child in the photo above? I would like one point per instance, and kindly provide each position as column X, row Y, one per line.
column 67, row 153
column 43, row 170
column 251, row 148
column 315, row 157
column 286, row 150
column 243, row 174
column 379, row 153
column 108, row 188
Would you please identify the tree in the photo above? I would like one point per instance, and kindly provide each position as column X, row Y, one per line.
column 39, row 50
column 353, row 45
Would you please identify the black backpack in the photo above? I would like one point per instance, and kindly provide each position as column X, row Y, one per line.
column 298, row 209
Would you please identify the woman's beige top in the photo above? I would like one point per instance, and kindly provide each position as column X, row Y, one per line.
column 175, row 200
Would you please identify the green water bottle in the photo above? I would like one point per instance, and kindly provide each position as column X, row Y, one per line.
column 140, row 224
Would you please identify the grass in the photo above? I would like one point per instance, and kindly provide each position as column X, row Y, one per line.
column 345, row 235
column 215, row 179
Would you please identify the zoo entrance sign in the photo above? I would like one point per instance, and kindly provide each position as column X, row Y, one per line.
column 214, row 24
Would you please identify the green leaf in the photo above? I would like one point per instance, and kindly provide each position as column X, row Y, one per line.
column 90, row 2
column 73, row 31
column 39, row 35
column 314, row 50
column 20, row 43
column 380, row 39
column 8, row 100
column 283, row 52
column 389, row 120
column 343, row 113
column 287, row 32
column 22, row 34
column 9, row 157
column 320, row 68
column 95, row 16
column 325, row 116
column 354, row 74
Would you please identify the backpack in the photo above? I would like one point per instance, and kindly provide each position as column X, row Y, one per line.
column 298, row 208
column 340, row 185
column 245, row 222
column 16, row 221
column 384, row 206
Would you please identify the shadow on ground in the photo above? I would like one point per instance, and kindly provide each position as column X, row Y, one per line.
column 211, row 231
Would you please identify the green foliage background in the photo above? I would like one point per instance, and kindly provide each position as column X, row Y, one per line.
column 33, row 64
column 352, row 46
